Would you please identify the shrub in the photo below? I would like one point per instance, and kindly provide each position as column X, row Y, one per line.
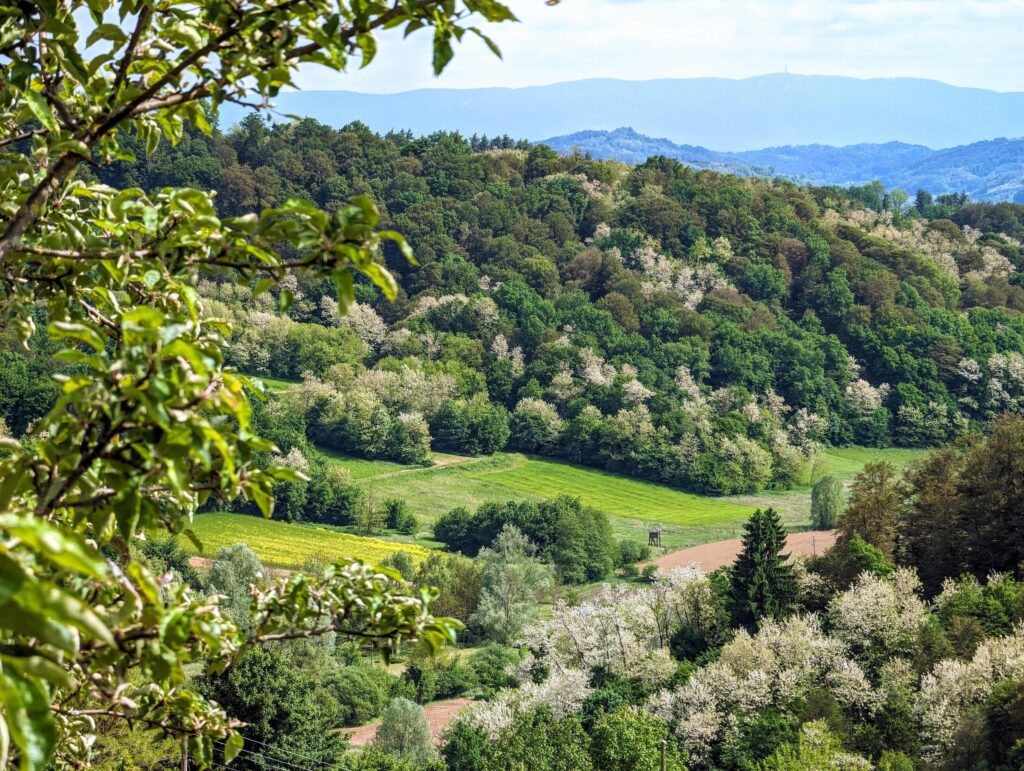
column 490, row 665
column 630, row 739
column 398, row 516
column 358, row 694
column 402, row 562
column 466, row 747
column 454, row 679
column 405, row 732
column 631, row 552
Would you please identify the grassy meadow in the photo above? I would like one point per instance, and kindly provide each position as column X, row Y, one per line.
column 632, row 505
column 284, row 545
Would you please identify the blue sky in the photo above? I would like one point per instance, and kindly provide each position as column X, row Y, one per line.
column 963, row 42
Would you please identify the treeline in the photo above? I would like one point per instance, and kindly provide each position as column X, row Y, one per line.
column 689, row 327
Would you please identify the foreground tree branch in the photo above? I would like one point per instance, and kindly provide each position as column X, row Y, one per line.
column 149, row 424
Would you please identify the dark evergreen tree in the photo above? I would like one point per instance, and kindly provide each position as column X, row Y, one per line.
column 763, row 585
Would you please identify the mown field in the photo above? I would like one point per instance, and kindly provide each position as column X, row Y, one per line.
column 632, row 505
column 285, row 545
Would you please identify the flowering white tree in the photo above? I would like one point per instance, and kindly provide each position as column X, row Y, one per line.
column 878, row 618
column 863, row 398
column 954, row 689
column 770, row 669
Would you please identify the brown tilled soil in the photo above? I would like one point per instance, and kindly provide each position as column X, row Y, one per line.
column 715, row 555
column 439, row 714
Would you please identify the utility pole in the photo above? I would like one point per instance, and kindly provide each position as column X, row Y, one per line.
column 664, row 745
column 184, row 753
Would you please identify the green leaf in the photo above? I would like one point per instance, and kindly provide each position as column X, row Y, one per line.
column 110, row 32
column 62, row 607
column 346, row 291
column 443, row 52
column 232, row 747
column 285, row 300
column 17, row 620
column 368, row 46
column 41, row 110
column 263, row 499
column 38, row 666
column 59, row 546
column 12, row 576
column 26, row 705
column 490, row 43
column 76, row 331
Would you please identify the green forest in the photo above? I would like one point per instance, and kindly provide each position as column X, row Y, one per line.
column 322, row 449
column 687, row 327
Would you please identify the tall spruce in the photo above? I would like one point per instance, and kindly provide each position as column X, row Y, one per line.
column 763, row 584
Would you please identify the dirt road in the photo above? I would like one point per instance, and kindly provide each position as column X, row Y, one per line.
column 439, row 714
column 715, row 555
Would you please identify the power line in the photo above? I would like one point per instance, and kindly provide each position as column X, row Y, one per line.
column 280, row 761
column 215, row 764
column 293, row 753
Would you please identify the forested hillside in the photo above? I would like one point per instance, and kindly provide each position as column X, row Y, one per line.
column 199, row 328
column 985, row 171
column 684, row 326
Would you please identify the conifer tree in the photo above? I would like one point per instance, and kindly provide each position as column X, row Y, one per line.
column 762, row 581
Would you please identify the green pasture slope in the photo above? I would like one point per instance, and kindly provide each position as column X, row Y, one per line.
column 284, row 545
column 632, row 505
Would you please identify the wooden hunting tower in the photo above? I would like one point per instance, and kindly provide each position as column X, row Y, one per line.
column 654, row 536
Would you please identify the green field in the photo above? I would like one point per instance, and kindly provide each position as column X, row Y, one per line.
column 273, row 384
column 846, row 462
column 632, row 505
column 285, row 545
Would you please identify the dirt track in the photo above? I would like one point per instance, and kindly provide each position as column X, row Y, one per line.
column 715, row 555
column 439, row 714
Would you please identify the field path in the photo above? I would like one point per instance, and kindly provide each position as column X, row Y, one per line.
column 715, row 555
column 439, row 715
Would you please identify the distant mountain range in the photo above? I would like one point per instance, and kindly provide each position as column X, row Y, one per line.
column 723, row 114
column 992, row 170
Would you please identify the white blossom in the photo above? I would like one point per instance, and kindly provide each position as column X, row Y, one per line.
column 594, row 369
column 863, row 398
column 954, row 689
column 365, row 322
column 636, row 392
column 879, row 617
column 294, row 460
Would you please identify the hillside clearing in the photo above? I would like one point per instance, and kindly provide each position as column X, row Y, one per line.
column 633, row 505
column 286, row 545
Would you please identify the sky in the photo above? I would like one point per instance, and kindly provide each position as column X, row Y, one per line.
column 962, row 42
